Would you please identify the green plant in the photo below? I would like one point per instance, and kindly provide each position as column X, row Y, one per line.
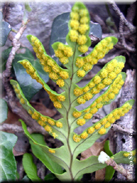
column 76, row 68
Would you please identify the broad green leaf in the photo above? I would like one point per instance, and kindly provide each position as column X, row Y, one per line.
column 50, row 177
column 109, row 169
column 5, row 29
column 3, row 110
column 29, row 167
column 28, row 85
column 8, row 168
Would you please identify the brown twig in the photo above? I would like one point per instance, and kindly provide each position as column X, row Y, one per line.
column 119, row 168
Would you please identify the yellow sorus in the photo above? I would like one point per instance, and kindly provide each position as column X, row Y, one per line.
column 99, row 105
column 93, row 110
column 112, row 75
column 91, row 84
column 35, row 49
column 103, row 121
column 104, row 43
column 126, row 154
column 83, row 28
column 78, row 92
column 51, row 151
column 86, row 89
column 125, row 106
column 87, row 110
column 94, row 61
column 100, row 55
column 45, row 57
column 30, row 112
column 115, row 112
column 51, row 122
column 59, row 53
column 59, row 124
column 73, row 35
column 109, row 117
column 50, row 62
column 81, row 100
column 68, row 51
column 54, row 135
column 79, row 62
column 57, row 105
column 84, row 20
column 33, row 38
column 115, row 90
column 88, row 116
column 96, row 79
column 75, row 9
column 41, row 49
column 52, row 97
column 76, row 114
column 81, row 73
column 48, row 128
column 53, row 75
column 102, row 131
column 91, row 130
column 16, row 90
column 19, row 96
column 94, row 53
column 121, row 65
column 37, row 43
column 55, row 68
column 95, row 90
column 111, row 95
column 76, row 138
column 108, row 39
column 106, row 81
column 114, row 62
column 31, row 69
column 97, row 126
column 110, row 46
column 99, row 99
column 81, row 122
column 40, row 122
column 104, row 73
column 107, row 125
column 88, row 96
column 61, row 98
column 117, row 70
column 60, row 82
column 109, row 67
column 121, row 82
column 64, row 60
column 88, row 58
column 74, row 15
column 43, row 118
column 93, row 105
column 99, row 47
column 35, row 115
column 64, row 75
column 83, row 48
column 22, row 101
column 112, row 120
column 61, row 46
column 83, row 12
column 47, row 69
column 100, row 86
column 87, row 67
column 82, row 39
column 74, row 24
column 84, row 135
column 133, row 153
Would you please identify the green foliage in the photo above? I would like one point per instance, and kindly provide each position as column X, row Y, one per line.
column 29, row 167
column 3, row 110
column 8, row 169
column 63, row 161
column 5, row 29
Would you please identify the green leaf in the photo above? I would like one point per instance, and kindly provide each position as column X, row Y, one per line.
column 5, row 28
column 3, row 110
column 109, row 169
column 43, row 157
column 50, row 177
column 28, row 85
column 27, row 7
column 4, row 57
column 8, row 168
column 29, row 167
